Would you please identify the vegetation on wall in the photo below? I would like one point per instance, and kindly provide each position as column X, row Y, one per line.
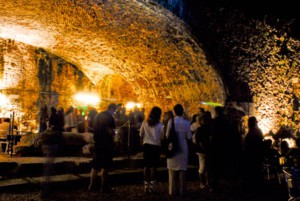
column 253, row 52
column 267, row 58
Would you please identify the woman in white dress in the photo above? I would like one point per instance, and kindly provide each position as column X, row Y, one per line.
column 152, row 133
column 178, row 164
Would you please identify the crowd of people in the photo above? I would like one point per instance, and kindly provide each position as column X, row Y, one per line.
column 224, row 152
column 59, row 120
column 78, row 121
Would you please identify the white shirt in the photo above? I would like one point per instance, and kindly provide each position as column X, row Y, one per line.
column 183, row 131
column 152, row 134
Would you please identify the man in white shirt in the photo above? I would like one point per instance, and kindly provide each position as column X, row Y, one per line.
column 178, row 164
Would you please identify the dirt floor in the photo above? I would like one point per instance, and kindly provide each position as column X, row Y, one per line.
column 77, row 191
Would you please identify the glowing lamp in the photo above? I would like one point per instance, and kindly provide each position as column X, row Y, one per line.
column 87, row 98
column 130, row 105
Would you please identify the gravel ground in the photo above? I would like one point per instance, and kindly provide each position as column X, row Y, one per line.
column 77, row 192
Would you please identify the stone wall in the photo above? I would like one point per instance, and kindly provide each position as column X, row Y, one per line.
column 268, row 60
column 142, row 42
column 31, row 77
column 255, row 53
column 261, row 54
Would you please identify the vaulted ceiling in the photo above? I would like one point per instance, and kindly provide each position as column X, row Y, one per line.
column 144, row 43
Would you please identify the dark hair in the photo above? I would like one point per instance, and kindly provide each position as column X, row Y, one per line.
column 169, row 114
column 69, row 110
column 194, row 118
column 7, row 120
column 252, row 122
column 112, row 106
column 219, row 110
column 154, row 116
column 101, row 122
column 268, row 143
column 202, row 110
column 207, row 117
column 178, row 109
column 284, row 145
column 53, row 109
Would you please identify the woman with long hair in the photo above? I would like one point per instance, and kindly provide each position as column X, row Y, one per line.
column 152, row 133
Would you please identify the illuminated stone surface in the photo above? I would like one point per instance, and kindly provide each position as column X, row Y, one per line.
column 145, row 44
column 256, row 48
column 32, row 77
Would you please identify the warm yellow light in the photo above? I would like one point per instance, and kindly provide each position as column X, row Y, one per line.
column 130, row 105
column 290, row 141
column 25, row 35
column 87, row 98
column 269, row 138
column 266, row 125
column 3, row 100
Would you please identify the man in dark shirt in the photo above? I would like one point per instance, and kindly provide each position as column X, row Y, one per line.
column 104, row 147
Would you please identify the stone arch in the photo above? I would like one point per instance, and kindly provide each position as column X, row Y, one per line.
column 142, row 42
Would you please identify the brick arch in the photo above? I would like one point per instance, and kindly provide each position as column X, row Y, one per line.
column 144, row 43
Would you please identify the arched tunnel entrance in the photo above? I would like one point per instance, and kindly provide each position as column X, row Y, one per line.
column 123, row 50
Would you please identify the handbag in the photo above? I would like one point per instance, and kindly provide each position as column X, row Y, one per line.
column 172, row 146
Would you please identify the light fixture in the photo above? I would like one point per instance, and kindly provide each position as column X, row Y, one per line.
column 130, row 105
column 85, row 98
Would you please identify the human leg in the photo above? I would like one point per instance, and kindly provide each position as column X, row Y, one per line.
column 146, row 179
column 104, row 180
column 147, row 165
column 182, row 182
column 154, row 164
column 93, row 177
column 172, row 182
column 202, row 170
column 153, row 182
column 147, row 173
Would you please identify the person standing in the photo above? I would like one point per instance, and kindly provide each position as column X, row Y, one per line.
column 152, row 133
column 195, row 123
column 167, row 116
column 178, row 164
column 220, row 149
column 61, row 119
column 254, row 156
column 104, row 147
column 70, row 119
column 43, row 117
column 53, row 120
column 91, row 119
column 203, row 136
